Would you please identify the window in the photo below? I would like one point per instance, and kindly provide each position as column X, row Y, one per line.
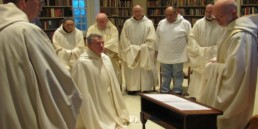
column 80, row 14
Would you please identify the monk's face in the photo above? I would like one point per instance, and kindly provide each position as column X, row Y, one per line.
column 137, row 13
column 209, row 12
column 223, row 14
column 171, row 15
column 97, row 45
column 69, row 26
column 102, row 23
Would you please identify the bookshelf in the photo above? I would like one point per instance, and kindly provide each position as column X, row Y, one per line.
column 117, row 11
column 248, row 7
column 190, row 9
column 53, row 13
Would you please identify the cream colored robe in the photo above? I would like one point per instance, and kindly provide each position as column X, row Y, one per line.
column 111, row 42
column 103, row 106
column 36, row 91
column 202, row 46
column 68, row 46
column 137, row 44
column 230, row 84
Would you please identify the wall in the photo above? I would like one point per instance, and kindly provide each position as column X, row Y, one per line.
column 92, row 11
column 1, row 1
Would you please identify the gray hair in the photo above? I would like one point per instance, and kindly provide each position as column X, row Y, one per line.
column 91, row 37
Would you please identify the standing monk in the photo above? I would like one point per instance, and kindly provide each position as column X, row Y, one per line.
column 137, row 51
column 229, row 84
column 202, row 47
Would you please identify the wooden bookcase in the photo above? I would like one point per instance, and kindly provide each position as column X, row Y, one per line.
column 118, row 11
column 190, row 9
column 248, row 7
column 53, row 13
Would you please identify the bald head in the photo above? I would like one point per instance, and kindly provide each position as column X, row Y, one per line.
column 226, row 5
column 171, row 14
column 209, row 12
column 137, row 12
column 102, row 21
column 225, row 11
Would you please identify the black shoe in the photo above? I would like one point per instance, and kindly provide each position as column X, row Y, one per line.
column 147, row 91
column 131, row 92
column 177, row 93
column 164, row 92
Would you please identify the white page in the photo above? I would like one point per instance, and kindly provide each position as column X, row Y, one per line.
column 177, row 102
column 187, row 106
column 165, row 97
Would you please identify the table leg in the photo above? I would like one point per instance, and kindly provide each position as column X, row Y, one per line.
column 143, row 120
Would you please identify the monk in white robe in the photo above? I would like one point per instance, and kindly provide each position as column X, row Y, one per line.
column 110, row 34
column 68, row 43
column 103, row 106
column 230, row 83
column 36, row 91
column 137, row 43
column 202, row 47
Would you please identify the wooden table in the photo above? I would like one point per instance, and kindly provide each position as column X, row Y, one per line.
column 168, row 116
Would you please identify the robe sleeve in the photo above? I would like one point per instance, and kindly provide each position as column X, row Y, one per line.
column 78, row 50
column 157, row 37
column 66, row 54
column 58, row 95
column 198, row 55
column 112, row 43
column 147, row 50
column 144, row 53
column 69, row 56
column 129, row 52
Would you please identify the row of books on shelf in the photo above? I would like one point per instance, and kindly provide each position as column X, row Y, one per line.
column 118, row 21
column 58, row 2
column 125, row 12
column 191, row 11
column 57, row 12
column 183, row 11
column 154, row 3
column 116, row 3
column 50, row 24
column 153, row 12
column 249, row 10
column 50, row 34
column 116, row 12
column 249, row 2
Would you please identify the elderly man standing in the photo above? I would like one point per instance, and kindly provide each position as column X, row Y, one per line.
column 68, row 42
column 172, row 33
column 110, row 34
column 103, row 106
column 137, row 51
column 36, row 91
column 202, row 47
column 229, row 84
